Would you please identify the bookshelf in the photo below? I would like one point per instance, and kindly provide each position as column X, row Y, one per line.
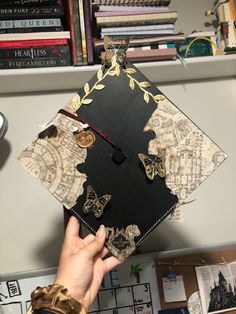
column 72, row 78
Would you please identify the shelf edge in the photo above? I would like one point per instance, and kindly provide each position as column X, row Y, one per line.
column 72, row 78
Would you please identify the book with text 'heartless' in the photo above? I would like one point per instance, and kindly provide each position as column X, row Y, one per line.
column 58, row 51
column 121, row 154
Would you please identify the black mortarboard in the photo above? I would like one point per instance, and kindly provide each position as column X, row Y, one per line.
column 121, row 154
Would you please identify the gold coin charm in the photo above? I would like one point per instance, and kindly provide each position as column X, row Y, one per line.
column 85, row 138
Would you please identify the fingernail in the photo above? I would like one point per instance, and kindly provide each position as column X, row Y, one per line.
column 100, row 230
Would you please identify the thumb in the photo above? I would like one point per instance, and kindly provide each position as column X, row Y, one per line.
column 72, row 229
column 95, row 246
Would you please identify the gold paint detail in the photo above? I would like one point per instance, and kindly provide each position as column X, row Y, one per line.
column 142, row 86
column 73, row 104
column 114, row 70
column 85, row 138
column 95, row 204
column 121, row 242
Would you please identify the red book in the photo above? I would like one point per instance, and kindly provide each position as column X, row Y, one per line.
column 33, row 43
column 150, row 55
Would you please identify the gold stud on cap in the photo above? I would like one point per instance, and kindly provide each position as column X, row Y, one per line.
column 85, row 138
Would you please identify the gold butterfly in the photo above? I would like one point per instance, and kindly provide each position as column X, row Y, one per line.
column 114, row 50
column 94, row 203
column 154, row 167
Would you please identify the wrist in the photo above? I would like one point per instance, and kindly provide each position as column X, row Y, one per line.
column 76, row 292
column 55, row 298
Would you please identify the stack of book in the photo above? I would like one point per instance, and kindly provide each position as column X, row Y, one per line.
column 149, row 24
column 80, row 22
column 32, row 34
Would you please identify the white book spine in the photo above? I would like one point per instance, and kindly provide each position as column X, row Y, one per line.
column 200, row 34
column 139, row 48
column 30, row 23
column 32, row 36
column 150, row 32
column 136, row 28
column 163, row 46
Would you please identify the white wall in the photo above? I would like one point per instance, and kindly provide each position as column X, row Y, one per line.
column 191, row 15
column 31, row 225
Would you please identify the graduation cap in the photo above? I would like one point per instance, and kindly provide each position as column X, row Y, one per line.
column 121, row 154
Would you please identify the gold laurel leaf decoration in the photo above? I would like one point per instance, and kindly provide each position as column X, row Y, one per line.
column 145, row 84
column 117, row 70
column 112, row 73
column 86, row 88
column 146, row 97
column 159, row 97
column 113, row 60
column 99, row 87
column 75, row 104
column 131, row 84
column 130, row 71
column 86, row 101
column 99, row 74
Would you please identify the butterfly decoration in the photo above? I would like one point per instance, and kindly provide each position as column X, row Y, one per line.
column 112, row 49
column 154, row 167
column 94, row 203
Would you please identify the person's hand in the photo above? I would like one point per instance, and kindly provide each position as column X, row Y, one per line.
column 82, row 264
